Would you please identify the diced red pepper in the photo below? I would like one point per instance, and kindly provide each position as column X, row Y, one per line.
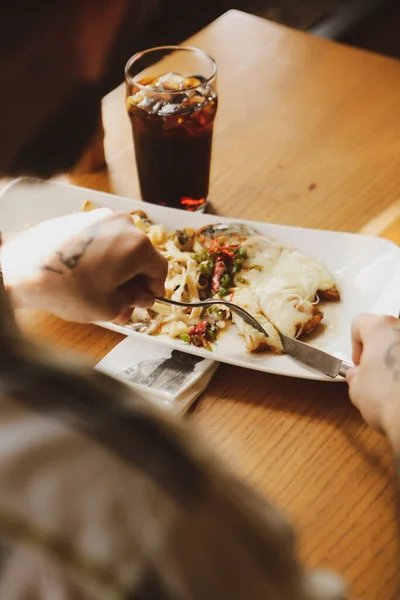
column 219, row 270
column 215, row 246
column 199, row 329
column 226, row 252
column 198, row 335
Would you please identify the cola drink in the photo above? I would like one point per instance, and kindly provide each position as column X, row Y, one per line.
column 172, row 117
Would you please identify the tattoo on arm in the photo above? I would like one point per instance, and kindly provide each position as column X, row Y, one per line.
column 70, row 258
column 52, row 269
column 392, row 357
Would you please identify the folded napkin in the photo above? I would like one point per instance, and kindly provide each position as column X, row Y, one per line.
column 170, row 378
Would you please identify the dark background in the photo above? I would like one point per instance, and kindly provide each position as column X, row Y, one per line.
column 369, row 24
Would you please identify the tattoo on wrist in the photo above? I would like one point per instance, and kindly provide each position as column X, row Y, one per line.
column 71, row 257
column 51, row 269
column 392, row 359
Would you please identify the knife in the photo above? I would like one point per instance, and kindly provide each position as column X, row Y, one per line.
column 313, row 357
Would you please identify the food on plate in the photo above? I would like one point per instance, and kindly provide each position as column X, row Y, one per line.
column 279, row 285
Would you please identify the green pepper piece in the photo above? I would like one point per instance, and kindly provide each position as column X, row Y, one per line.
column 225, row 280
column 205, row 269
column 223, row 292
column 237, row 267
column 196, row 340
column 211, row 336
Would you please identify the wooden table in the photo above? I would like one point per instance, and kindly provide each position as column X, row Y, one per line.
column 308, row 133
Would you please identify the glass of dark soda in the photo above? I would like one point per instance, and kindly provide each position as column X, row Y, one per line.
column 171, row 98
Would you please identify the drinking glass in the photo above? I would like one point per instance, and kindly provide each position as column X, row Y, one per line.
column 171, row 98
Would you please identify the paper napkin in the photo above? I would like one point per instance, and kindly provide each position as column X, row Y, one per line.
column 170, row 378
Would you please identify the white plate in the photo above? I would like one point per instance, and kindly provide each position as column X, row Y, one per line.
column 367, row 268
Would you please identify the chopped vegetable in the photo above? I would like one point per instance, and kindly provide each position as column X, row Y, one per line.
column 185, row 337
column 211, row 333
column 199, row 329
column 206, row 269
column 202, row 334
column 236, row 267
column 225, row 280
column 220, row 263
column 219, row 270
column 203, row 281
column 196, row 340
column 185, row 240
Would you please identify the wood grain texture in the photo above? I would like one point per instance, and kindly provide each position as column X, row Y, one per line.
column 294, row 111
column 88, row 341
column 386, row 224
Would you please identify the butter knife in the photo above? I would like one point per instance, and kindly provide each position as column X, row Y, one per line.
column 316, row 359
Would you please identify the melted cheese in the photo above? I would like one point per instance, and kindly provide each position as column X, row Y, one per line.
column 281, row 286
column 254, row 340
column 287, row 269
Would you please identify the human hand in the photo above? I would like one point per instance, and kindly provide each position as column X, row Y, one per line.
column 374, row 384
column 84, row 267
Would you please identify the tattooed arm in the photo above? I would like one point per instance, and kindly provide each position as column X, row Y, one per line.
column 84, row 267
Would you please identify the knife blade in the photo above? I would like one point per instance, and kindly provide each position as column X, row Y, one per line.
column 313, row 357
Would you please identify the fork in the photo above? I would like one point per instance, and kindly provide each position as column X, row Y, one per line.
column 241, row 312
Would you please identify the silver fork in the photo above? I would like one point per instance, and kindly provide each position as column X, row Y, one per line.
column 241, row 312
column 308, row 355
